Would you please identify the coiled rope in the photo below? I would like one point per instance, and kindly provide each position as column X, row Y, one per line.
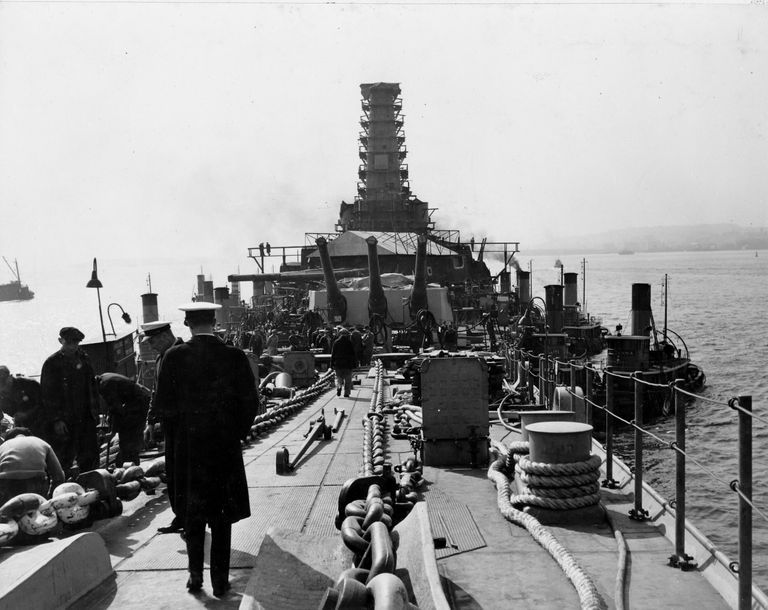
column 589, row 597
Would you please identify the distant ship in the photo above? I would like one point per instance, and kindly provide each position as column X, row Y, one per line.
column 626, row 251
column 15, row 290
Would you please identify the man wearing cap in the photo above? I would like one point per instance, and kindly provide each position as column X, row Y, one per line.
column 21, row 398
column 70, row 404
column 159, row 336
column 208, row 392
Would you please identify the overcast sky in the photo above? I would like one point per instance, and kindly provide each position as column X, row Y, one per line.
column 181, row 129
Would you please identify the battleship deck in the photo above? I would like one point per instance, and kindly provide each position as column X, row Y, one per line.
column 487, row 562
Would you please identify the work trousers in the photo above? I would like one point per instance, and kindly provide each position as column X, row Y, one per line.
column 221, row 542
column 80, row 442
column 10, row 488
column 344, row 380
column 130, row 431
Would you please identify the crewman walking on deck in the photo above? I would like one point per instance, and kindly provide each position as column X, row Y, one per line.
column 209, row 392
column 343, row 361
column 21, row 398
column 70, row 404
column 159, row 336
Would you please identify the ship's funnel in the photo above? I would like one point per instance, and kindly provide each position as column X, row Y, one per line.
column 221, row 296
column 641, row 309
column 149, row 307
column 419, row 290
column 523, row 288
column 377, row 302
column 208, row 291
column 337, row 304
column 571, row 295
column 554, row 299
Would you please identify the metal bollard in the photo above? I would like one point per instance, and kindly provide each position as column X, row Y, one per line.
column 638, row 513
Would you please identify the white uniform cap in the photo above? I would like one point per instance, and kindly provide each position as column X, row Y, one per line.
column 199, row 306
column 153, row 328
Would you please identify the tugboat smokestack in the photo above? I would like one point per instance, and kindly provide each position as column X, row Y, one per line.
column 523, row 287
column 571, row 294
column 554, row 299
column 641, row 309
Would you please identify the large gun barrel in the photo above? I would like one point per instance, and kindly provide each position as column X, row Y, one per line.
column 377, row 302
column 337, row 304
column 419, row 290
column 294, row 276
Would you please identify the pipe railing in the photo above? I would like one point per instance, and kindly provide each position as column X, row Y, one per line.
column 741, row 486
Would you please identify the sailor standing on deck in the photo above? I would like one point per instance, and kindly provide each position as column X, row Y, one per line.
column 343, row 362
column 159, row 336
column 21, row 398
column 207, row 390
column 70, row 403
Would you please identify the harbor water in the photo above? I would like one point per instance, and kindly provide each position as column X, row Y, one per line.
column 717, row 301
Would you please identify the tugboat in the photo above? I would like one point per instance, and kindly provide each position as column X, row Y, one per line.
column 15, row 290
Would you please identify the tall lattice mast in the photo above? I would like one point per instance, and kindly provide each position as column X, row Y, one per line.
column 384, row 201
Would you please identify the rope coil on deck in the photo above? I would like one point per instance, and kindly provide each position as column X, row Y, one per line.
column 589, row 597
column 557, row 486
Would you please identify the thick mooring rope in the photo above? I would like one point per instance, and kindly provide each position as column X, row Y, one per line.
column 589, row 596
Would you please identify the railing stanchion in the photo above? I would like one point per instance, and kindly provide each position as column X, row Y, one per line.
column 609, row 383
column 744, row 485
column 542, row 381
column 680, row 559
column 638, row 513
column 588, row 394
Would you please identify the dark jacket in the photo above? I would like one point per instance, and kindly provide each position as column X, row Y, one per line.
column 68, row 388
column 126, row 400
column 207, row 391
column 24, row 401
column 343, row 353
column 152, row 417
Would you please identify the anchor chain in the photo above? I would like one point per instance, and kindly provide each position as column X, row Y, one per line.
column 369, row 507
column 266, row 421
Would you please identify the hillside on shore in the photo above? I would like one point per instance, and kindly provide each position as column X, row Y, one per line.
column 661, row 239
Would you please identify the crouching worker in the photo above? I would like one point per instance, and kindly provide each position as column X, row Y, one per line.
column 27, row 465
column 128, row 403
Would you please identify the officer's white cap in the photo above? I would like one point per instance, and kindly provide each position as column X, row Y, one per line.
column 199, row 306
column 155, row 328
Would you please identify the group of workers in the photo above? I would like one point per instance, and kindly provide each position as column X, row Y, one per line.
column 63, row 408
column 205, row 396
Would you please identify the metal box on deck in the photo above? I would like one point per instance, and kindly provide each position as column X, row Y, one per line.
column 301, row 367
column 454, row 403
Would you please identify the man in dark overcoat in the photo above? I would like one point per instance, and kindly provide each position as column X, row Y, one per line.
column 70, row 404
column 159, row 336
column 208, row 391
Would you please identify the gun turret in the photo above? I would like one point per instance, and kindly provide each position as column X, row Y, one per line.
column 377, row 302
column 337, row 304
